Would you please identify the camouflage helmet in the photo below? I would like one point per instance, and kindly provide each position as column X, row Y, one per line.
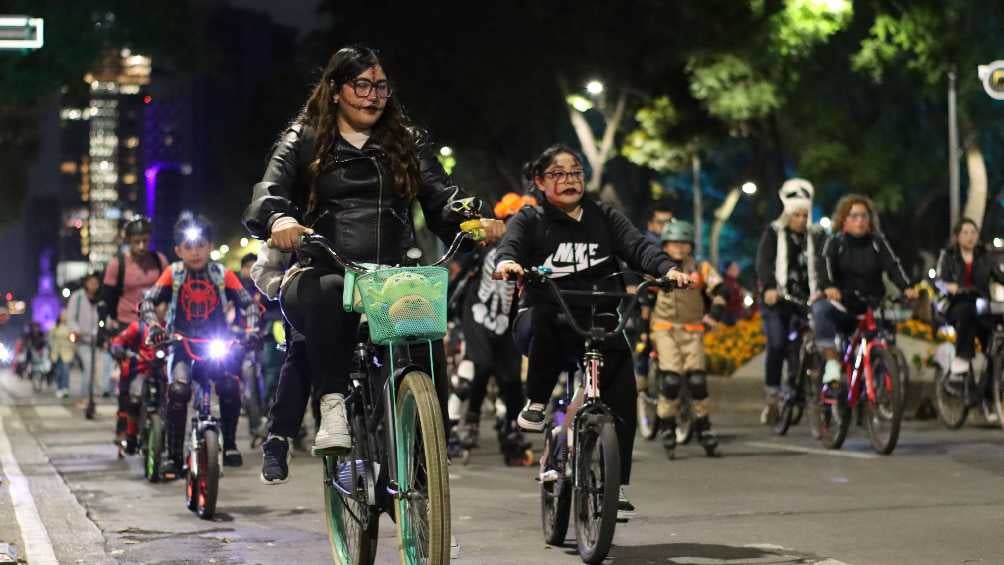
column 678, row 230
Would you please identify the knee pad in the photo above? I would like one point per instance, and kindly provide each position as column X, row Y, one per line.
column 179, row 393
column 670, row 385
column 697, row 381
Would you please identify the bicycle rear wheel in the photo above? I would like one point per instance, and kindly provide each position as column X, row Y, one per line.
column 423, row 510
column 599, row 479
column 833, row 419
column 353, row 525
column 885, row 414
column 951, row 405
column 556, row 495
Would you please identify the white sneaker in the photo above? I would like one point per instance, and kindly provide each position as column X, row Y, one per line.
column 333, row 437
column 831, row 373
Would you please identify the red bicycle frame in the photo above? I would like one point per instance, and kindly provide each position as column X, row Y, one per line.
column 858, row 357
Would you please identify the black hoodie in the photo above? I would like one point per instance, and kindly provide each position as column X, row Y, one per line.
column 580, row 253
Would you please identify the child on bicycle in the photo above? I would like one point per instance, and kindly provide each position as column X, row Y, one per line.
column 580, row 241
column 135, row 352
column 677, row 330
column 196, row 291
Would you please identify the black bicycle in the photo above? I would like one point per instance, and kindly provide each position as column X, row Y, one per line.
column 586, row 470
column 801, row 389
column 398, row 459
column 976, row 388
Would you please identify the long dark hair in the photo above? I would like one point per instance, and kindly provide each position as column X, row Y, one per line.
column 393, row 132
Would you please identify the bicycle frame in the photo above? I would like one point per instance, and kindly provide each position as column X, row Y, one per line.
column 866, row 339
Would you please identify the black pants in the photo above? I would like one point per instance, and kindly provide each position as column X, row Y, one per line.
column 779, row 322
column 553, row 347
column 292, row 393
column 969, row 326
column 492, row 354
column 186, row 378
column 312, row 303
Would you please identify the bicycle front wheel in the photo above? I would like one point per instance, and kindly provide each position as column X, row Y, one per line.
column 208, row 480
column 423, row 508
column 153, row 444
column 885, row 413
column 599, row 481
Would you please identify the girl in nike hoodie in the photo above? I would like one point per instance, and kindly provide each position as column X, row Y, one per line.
column 582, row 242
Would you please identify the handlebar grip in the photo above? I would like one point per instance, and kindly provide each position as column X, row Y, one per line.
column 473, row 228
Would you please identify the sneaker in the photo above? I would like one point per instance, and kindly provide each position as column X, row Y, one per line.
column 625, row 510
column 333, row 436
column 532, row 418
column 232, row 457
column 275, row 460
column 130, row 445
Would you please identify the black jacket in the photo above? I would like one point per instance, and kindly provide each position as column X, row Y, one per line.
column 766, row 260
column 952, row 269
column 856, row 264
column 580, row 253
column 358, row 207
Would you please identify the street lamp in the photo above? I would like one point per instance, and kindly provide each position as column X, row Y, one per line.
column 594, row 87
column 749, row 188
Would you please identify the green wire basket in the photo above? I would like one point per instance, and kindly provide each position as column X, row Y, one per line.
column 404, row 304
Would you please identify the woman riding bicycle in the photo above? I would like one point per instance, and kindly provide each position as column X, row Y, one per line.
column 351, row 166
column 581, row 241
column 964, row 271
column 786, row 266
column 853, row 261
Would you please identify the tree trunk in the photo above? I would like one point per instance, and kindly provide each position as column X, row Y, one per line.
column 976, row 168
column 695, row 167
column 722, row 215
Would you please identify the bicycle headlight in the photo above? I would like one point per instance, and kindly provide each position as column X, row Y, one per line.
column 217, row 349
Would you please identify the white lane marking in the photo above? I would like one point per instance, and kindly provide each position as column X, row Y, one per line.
column 46, row 412
column 811, row 450
column 38, row 546
column 106, row 409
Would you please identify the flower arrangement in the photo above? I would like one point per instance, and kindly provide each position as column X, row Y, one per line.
column 726, row 348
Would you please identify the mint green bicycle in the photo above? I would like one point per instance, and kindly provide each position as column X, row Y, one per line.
column 397, row 463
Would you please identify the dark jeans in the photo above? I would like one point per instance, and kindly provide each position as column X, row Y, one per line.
column 553, row 347
column 830, row 322
column 969, row 326
column 62, row 372
column 780, row 324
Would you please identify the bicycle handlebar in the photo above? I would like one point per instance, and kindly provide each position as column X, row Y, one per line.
column 468, row 229
column 539, row 275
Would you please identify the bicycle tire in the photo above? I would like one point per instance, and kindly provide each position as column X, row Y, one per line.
column 351, row 546
column 998, row 387
column 420, row 427
column 596, row 497
column 191, row 485
column 885, row 416
column 209, row 475
column 834, row 420
column 555, row 496
column 153, row 442
column 812, row 386
column 952, row 408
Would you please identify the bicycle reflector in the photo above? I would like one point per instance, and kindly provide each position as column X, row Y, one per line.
column 217, row 349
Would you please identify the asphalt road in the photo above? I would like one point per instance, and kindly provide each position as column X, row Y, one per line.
column 938, row 499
